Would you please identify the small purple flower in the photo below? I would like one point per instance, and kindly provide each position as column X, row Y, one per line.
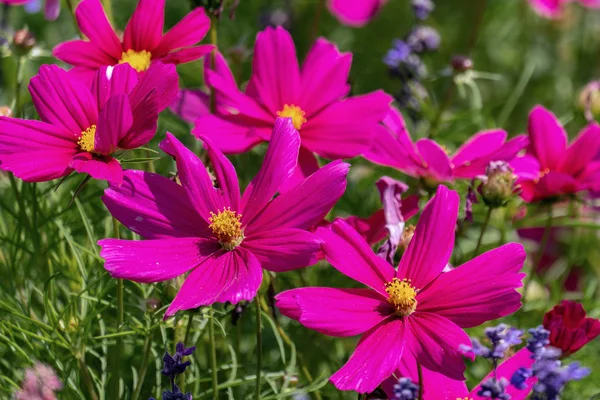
column 405, row 389
column 520, row 377
column 494, row 389
column 174, row 365
column 422, row 8
column 398, row 54
column 501, row 338
column 538, row 340
column 423, row 38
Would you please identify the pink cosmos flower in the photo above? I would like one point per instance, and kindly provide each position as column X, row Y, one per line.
column 81, row 129
column 554, row 8
column 330, row 124
column 222, row 239
column 355, row 12
column 565, row 169
column 414, row 314
column 428, row 160
column 40, row 383
column 143, row 41
column 51, row 7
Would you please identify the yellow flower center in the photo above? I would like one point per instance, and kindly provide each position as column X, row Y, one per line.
column 227, row 228
column 463, row 398
column 138, row 60
column 87, row 138
column 295, row 113
column 402, row 296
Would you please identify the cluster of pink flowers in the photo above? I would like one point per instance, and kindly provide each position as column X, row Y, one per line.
column 221, row 238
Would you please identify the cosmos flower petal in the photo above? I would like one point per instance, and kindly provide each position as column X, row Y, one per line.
column 525, row 168
column 187, row 54
column 582, row 150
column 145, row 27
column 346, row 128
column 276, row 75
column 82, row 53
column 225, row 276
column 375, row 358
column 349, row 312
column 191, row 104
column 287, row 305
column 94, row 24
column 479, row 145
column 307, row 165
column 107, row 169
column 161, row 78
column 506, row 369
column 548, row 8
column 226, row 177
column 63, row 101
column 435, row 385
column 157, row 260
column 51, row 9
column 284, row 249
column 435, row 342
column 194, row 178
column 154, row 207
column 431, row 246
column 548, row 138
column 355, row 13
column 324, row 76
column 436, row 160
column 487, row 285
column 279, row 164
column 114, row 122
column 35, row 151
column 306, row 204
column 550, row 185
column 187, row 32
column 227, row 136
column 570, row 328
column 113, row 80
column 348, row 252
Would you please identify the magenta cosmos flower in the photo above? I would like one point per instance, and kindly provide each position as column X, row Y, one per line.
column 51, row 7
column 81, row 129
column 555, row 8
column 565, row 169
column 428, row 160
column 221, row 238
column 355, row 12
column 314, row 96
column 143, row 40
column 414, row 314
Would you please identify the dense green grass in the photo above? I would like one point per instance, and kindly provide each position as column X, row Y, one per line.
column 58, row 304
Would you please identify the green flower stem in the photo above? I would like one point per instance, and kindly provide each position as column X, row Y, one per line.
column 258, row 347
column 486, row 222
column 143, row 366
column 213, row 353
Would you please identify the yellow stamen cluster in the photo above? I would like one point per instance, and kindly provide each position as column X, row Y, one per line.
column 463, row 398
column 402, row 296
column 138, row 60
column 227, row 228
column 295, row 113
column 87, row 138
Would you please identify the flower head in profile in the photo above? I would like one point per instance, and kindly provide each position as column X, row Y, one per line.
column 570, row 328
column 429, row 161
column 554, row 9
column 413, row 314
column 355, row 13
column 40, row 383
column 82, row 128
column 223, row 239
column 564, row 168
column 143, row 40
column 51, row 7
column 314, row 96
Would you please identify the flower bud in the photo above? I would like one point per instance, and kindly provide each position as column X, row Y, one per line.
column 589, row 100
column 407, row 235
column 23, row 41
column 423, row 38
column 422, row 8
column 499, row 184
column 461, row 64
column 5, row 111
column 153, row 304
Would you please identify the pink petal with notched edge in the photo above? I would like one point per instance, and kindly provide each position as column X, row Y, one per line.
column 275, row 77
column 349, row 312
column 582, row 151
column 548, row 138
column 435, row 385
column 187, row 32
column 94, row 24
column 145, row 122
column 279, row 164
column 478, row 146
column 324, row 76
column 113, row 80
column 506, row 369
column 226, row 177
column 375, row 357
column 84, row 74
column 63, row 101
column 435, row 342
column 35, row 151
column 187, row 54
column 149, row 261
column 431, row 246
column 225, row 276
column 348, row 252
column 154, row 207
column 161, row 78
column 307, row 165
column 82, row 53
column 287, row 305
column 107, row 169
column 194, row 178
column 145, row 27
column 227, row 136
column 114, row 122
column 306, row 204
column 525, row 167
column 191, row 104
column 220, row 67
column 548, row 8
column 435, row 159
column 355, row 13
column 345, row 128
column 283, row 249
column 487, row 285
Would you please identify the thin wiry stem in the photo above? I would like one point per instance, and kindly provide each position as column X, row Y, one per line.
column 258, row 347
column 486, row 222
column 213, row 354
column 143, row 367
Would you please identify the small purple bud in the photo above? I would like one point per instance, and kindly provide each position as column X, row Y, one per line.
column 423, row 38
column 422, row 8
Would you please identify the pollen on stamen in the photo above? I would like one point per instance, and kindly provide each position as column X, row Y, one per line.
column 138, row 60
column 87, row 139
column 227, row 227
column 295, row 113
column 402, row 296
